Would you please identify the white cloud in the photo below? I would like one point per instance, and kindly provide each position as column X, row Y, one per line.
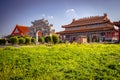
column 71, row 13
column 70, row 10
column 46, row 16
column 50, row 17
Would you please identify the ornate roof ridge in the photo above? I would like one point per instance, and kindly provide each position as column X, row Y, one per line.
column 88, row 20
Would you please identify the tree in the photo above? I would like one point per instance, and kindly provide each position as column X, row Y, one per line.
column 21, row 40
column 55, row 39
column 41, row 40
column 27, row 40
column 48, row 39
column 32, row 40
column 14, row 40
column 2, row 41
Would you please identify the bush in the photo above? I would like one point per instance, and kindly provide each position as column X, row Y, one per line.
column 14, row 40
column 55, row 39
column 41, row 40
column 33, row 40
column 21, row 40
column 88, row 39
column 2, row 41
column 48, row 39
column 27, row 40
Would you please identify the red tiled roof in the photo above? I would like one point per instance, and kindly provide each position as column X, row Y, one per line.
column 87, row 21
column 23, row 30
column 117, row 23
column 87, row 30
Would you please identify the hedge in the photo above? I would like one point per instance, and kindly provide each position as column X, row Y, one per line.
column 33, row 40
column 41, row 40
column 21, row 40
column 55, row 39
column 14, row 40
column 48, row 39
column 27, row 40
column 2, row 41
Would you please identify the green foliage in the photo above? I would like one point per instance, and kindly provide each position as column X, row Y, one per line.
column 27, row 40
column 14, row 40
column 61, row 62
column 2, row 41
column 33, row 40
column 41, row 40
column 21, row 40
column 88, row 39
column 48, row 39
column 55, row 39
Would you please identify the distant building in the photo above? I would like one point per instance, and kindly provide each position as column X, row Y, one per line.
column 20, row 30
column 95, row 28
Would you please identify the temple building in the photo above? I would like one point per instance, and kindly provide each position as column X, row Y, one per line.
column 94, row 29
column 20, row 30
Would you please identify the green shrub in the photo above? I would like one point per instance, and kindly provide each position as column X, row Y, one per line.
column 60, row 41
column 14, row 40
column 21, row 40
column 27, row 40
column 41, row 40
column 48, row 39
column 55, row 39
column 2, row 41
column 33, row 40
column 88, row 39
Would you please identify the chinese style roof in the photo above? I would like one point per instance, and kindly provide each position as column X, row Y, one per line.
column 20, row 30
column 87, row 30
column 117, row 23
column 88, row 21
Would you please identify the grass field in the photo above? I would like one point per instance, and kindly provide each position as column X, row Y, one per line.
column 61, row 62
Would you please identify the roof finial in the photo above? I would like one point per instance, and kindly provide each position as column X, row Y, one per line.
column 73, row 19
column 105, row 14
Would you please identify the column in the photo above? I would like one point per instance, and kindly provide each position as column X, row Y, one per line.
column 37, row 37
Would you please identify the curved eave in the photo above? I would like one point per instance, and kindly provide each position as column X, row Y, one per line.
column 84, row 24
column 117, row 24
column 87, row 30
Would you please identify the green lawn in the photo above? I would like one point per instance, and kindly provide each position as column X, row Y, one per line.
column 61, row 62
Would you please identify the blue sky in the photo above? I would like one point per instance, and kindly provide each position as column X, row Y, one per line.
column 58, row 12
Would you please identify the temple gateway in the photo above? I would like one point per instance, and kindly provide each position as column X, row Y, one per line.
column 91, row 29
